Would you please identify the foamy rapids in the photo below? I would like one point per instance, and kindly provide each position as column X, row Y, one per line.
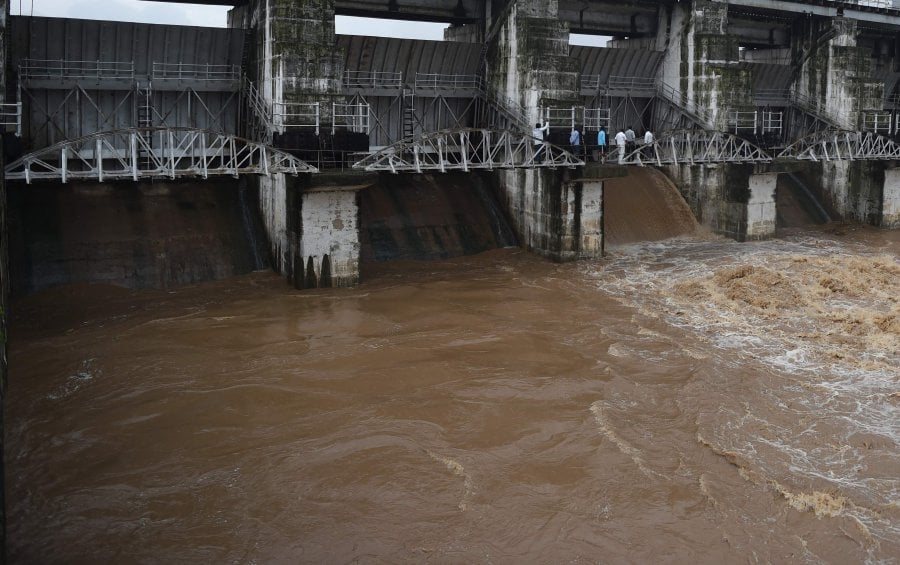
column 821, row 319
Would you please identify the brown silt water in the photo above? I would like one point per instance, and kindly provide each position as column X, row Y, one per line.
column 686, row 400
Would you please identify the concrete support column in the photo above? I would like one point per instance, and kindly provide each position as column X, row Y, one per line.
column 702, row 61
column 856, row 190
column 761, row 210
column 585, row 220
column 734, row 200
column 529, row 64
column 295, row 58
column 834, row 74
column 313, row 227
column 890, row 207
column 329, row 236
column 559, row 218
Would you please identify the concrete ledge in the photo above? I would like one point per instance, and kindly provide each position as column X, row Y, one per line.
column 341, row 180
column 599, row 171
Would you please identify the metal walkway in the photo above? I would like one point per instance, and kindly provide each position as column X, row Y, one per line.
column 466, row 149
column 143, row 153
column 842, row 145
column 696, row 147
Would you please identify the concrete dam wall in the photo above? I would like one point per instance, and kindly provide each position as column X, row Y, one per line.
column 428, row 217
column 164, row 234
column 146, row 235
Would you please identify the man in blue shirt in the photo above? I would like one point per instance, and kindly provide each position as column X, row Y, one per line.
column 575, row 142
column 601, row 145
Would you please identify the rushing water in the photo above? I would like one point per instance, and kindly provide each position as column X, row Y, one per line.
column 683, row 401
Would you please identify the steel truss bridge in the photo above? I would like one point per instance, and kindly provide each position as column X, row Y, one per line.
column 156, row 152
column 159, row 152
column 467, row 149
column 697, row 147
column 703, row 146
column 842, row 145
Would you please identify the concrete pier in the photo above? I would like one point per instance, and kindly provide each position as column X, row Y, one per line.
column 312, row 224
column 890, row 207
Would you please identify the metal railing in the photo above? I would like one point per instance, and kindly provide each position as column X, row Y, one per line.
column 676, row 97
column 448, row 82
column 11, row 115
column 61, row 68
column 772, row 122
column 296, row 115
column 571, row 116
column 206, row 72
column 878, row 122
column 365, row 79
column 754, row 122
column 595, row 118
column 887, row 4
column 354, row 117
column 632, row 84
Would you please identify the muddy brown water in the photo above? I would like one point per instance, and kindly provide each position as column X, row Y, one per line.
column 688, row 400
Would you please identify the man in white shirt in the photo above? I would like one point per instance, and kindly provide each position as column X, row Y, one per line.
column 620, row 143
column 538, row 134
column 648, row 141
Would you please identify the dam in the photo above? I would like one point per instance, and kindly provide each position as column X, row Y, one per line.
column 393, row 248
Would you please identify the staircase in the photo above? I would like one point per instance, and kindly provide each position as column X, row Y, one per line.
column 258, row 122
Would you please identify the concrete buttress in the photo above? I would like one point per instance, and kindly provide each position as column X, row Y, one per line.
column 529, row 64
column 313, row 232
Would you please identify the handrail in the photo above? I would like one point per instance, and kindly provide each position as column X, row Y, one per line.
column 373, row 79
column 631, row 83
column 62, row 68
column 675, row 96
column 446, row 81
column 195, row 71
column 11, row 115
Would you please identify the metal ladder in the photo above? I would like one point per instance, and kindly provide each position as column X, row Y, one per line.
column 409, row 114
column 143, row 98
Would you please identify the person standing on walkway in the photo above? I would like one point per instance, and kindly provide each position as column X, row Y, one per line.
column 538, row 134
column 575, row 141
column 601, row 145
column 620, row 143
column 629, row 139
column 648, row 142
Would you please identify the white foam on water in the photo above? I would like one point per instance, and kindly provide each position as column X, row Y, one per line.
column 822, row 316
column 74, row 382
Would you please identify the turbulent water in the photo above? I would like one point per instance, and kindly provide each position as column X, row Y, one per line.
column 681, row 401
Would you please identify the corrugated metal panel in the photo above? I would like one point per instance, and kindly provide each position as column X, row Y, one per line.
column 55, row 110
column 767, row 76
column 88, row 40
column 607, row 62
column 409, row 56
column 891, row 81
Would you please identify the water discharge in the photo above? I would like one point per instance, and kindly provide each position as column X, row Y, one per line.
column 683, row 400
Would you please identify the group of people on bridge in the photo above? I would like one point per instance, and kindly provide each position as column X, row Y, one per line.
column 624, row 140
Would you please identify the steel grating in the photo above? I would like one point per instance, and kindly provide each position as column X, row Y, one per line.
column 142, row 153
column 464, row 149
